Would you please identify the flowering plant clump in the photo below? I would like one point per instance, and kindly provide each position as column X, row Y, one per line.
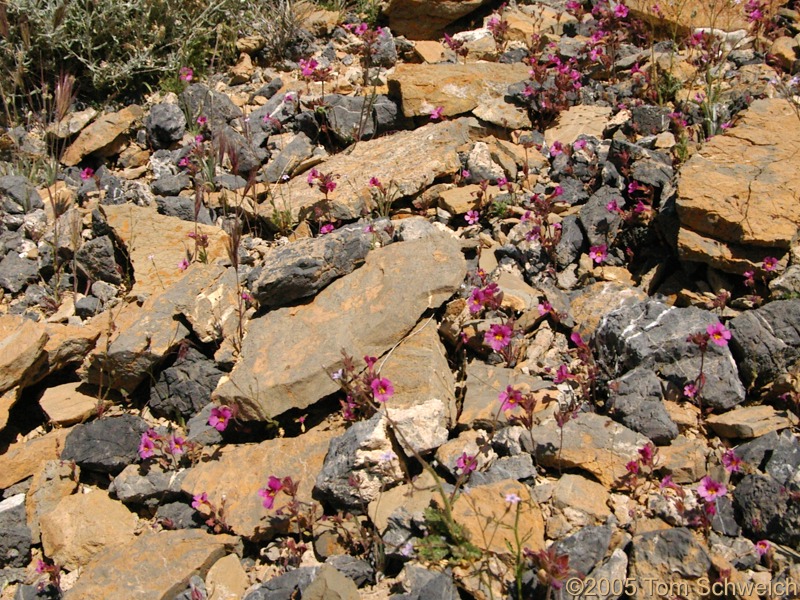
column 167, row 450
column 220, row 418
column 324, row 182
column 301, row 516
column 541, row 230
column 214, row 516
column 364, row 390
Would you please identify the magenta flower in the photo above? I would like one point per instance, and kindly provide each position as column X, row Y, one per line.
column 544, row 308
column 465, row 174
column 718, row 334
column 201, row 120
column 476, row 300
column 562, row 374
column 327, row 228
column 710, row 490
column 220, row 417
column 312, row 175
column 361, row 29
column 573, row 6
column 632, row 467
column 307, row 67
column 749, row 278
column 382, row 389
column 274, row 485
column 690, row 390
column 762, row 547
column 770, row 263
column 579, row 144
column 598, row 253
column 199, row 500
column 473, row 216
column 184, row 264
column 731, row 461
column 466, row 463
column 87, row 173
column 186, row 74
column 647, row 453
column 502, row 182
column 375, row 182
column 246, row 296
column 176, row 445
column 620, row 11
column 147, row 446
column 509, row 398
column 330, row 186
column 498, row 337
column 436, row 113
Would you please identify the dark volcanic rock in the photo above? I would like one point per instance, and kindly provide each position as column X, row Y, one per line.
column 182, row 207
column 16, row 272
column 184, row 388
column 766, row 509
column 96, row 260
column 18, row 195
column 345, row 113
column 15, row 542
column 285, row 587
column 586, row 548
column 106, row 445
column 165, row 125
column 215, row 106
column 636, row 398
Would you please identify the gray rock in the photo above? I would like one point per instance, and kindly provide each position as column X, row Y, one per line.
column 414, row 228
column 104, row 291
column 776, row 454
column 270, row 89
column 137, row 484
column 670, row 551
column 177, row 515
column 200, row 431
column 384, row 52
column 302, row 269
column 585, row 549
column 170, row 185
column 766, row 341
column 357, row 569
column 16, row 272
column 345, row 113
column 245, row 154
column 652, row 335
column 184, row 388
column 87, row 307
column 601, row 225
column 636, row 398
column 182, row 207
column 106, row 445
column 572, row 242
column 422, row 584
column 573, row 191
column 288, row 586
column 95, row 259
column 648, row 166
column 649, row 120
column 18, row 195
column 199, row 100
column 15, row 543
column 165, row 125
column 196, row 589
column 766, row 509
column 296, row 151
column 518, row 467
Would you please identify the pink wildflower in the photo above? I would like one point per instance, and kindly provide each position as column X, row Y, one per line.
column 620, row 11
column 544, row 308
column 613, row 207
column 220, row 416
column 513, row 499
column 647, row 452
column 731, row 461
column 598, row 253
column 186, row 74
column 710, row 490
column 690, row 390
column 382, row 389
column 436, row 113
column 327, row 228
column 201, row 120
column 498, row 337
column 562, row 374
column 762, row 547
column 770, row 263
column 184, row 264
column 147, row 446
column 87, row 173
column 375, row 182
column 466, row 463
column 274, row 485
column 176, row 445
column 199, row 500
column 473, row 216
column 718, row 334
column 509, row 398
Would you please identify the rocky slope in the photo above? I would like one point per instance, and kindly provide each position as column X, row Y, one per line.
column 510, row 313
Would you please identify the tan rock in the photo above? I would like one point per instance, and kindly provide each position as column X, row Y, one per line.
column 243, row 70
column 330, row 584
column 490, row 520
column 408, row 161
column 535, row 18
column 685, row 16
column 54, row 482
column 725, row 256
column 103, row 137
column 226, row 580
column 741, row 187
column 458, row 89
column 66, row 405
column 430, row 52
column 590, row 304
column 425, row 19
column 365, row 313
column 72, row 123
column 517, row 295
column 578, row 120
column 82, row 525
column 250, row 44
column 241, row 470
column 459, row 200
column 321, row 22
column 69, row 344
column 577, row 492
column 7, row 401
column 750, row 422
column 21, row 350
column 157, row 243
column 23, row 459
column 499, row 112
column 684, row 459
column 590, row 442
column 412, row 498
column 155, row 565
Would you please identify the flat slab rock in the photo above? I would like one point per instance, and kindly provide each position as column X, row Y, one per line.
column 423, row 19
column 409, row 160
column 742, row 187
column 750, row 422
column 152, row 566
column 458, row 89
column 364, row 313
